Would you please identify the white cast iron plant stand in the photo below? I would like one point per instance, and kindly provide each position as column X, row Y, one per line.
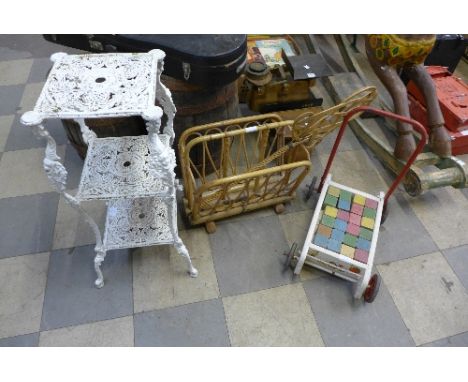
column 134, row 175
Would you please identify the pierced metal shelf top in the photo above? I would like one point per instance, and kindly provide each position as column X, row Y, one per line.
column 99, row 85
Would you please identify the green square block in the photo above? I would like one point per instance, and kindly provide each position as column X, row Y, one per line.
column 369, row 213
column 350, row 240
column 365, row 233
column 346, row 195
column 328, row 221
column 330, row 200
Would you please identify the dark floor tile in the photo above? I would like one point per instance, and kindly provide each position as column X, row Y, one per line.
column 71, row 297
column 248, row 255
column 74, row 166
column 27, row 224
column 343, row 321
column 458, row 260
column 10, row 98
column 197, row 324
column 39, row 69
column 27, row 340
column 460, row 340
column 22, row 137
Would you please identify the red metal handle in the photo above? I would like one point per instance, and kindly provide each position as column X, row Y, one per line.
column 419, row 128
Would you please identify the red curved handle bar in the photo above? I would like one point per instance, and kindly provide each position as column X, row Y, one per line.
column 419, row 128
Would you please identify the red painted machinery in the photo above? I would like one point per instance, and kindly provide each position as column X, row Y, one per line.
column 453, row 98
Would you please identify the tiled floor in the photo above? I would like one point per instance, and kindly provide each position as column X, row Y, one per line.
column 242, row 296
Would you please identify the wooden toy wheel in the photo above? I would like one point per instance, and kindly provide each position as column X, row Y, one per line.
column 279, row 208
column 210, row 227
column 289, row 257
column 372, row 288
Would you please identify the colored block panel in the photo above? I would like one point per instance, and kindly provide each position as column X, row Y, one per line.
column 359, row 199
column 337, row 235
column 331, row 211
column 369, row 213
column 371, row 204
column 357, row 209
column 363, row 244
column 328, row 221
column 365, row 233
column 324, row 231
column 340, row 224
column 361, row 255
column 330, row 200
column 343, row 215
column 367, row 222
column 346, row 195
column 333, row 191
column 350, row 240
column 354, row 219
column 347, row 251
column 344, row 204
column 321, row 241
column 353, row 229
column 334, row 245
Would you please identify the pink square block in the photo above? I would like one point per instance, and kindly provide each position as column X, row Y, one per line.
column 343, row 215
column 371, row 204
column 361, row 255
column 353, row 229
column 355, row 219
column 357, row 209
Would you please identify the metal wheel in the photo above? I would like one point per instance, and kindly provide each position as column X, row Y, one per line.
column 372, row 288
column 289, row 256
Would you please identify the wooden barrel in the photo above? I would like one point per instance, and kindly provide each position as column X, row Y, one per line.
column 196, row 105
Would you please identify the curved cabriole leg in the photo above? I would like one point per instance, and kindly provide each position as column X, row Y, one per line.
column 100, row 256
column 182, row 250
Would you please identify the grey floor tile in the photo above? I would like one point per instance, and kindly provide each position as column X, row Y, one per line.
column 198, row 324
column 6, row 121
column 31, row 93
column 460, row 340
column 160, row 277
column 27, row 340
column 274, row 317
column 39, row 69
column 116, row 332
column 343, row 321
column 22, row 173
column 248, row 255
column 10, row 98
column 22, row 285
column 22, row 137
column 14, row 72
column 27, row 224
column 432, row 301
column 71, row 297
column 74, row 165
column 458, row 260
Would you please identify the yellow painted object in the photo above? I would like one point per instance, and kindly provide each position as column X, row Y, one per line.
column 333, row 191
column 346, row 250
column 331, row 211
column 367, row 222
column 359, row 199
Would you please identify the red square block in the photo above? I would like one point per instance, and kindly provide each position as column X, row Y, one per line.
column 343, row 215
column 371, row 204
column 361, row 255
column 355, row 219
column 353, row 229
column 357, row 209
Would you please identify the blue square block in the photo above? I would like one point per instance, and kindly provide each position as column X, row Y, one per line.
column 321, row 241
column 334, row 245
column 363, row 244
column 344, row 204
column 340, row 224
column 337, row 235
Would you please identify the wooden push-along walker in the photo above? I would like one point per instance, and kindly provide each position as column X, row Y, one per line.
column 342, row 236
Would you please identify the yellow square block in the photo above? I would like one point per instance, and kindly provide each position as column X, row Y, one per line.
column 367, row 222
column 359, row 199
column 331, row 211
column 346, row 250
column 333, row 191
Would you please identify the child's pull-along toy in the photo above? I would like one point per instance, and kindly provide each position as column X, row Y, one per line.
column 343, row 234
